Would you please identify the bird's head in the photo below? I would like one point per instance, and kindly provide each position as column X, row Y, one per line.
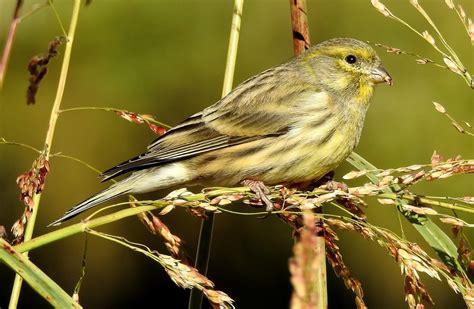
column 347, row 66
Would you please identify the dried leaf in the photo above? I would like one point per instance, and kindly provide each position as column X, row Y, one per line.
column 157, row 129
column 440, row 108
column 457, row 126
column 380, row 7
column 130, row 116
column 180, row 202
column 420, row 210
column 427, row 36
column 386, row 201
column 414, row 167
column 452, row 65
column 468, row 199
column 386, row 181
column 421, row 61
column 166, row 210
column 436, row 158
column 354, row 174
column 394, row 50
column 385, row 173
column 224, row 202
column 176, row 193
column 451, row 220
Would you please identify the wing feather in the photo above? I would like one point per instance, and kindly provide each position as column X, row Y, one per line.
column 255, row 109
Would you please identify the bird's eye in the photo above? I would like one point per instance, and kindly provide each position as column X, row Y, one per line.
column 351, row 59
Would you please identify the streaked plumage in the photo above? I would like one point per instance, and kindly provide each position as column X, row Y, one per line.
column 289, row 124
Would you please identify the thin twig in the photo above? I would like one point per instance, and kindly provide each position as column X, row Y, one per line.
column 51, row 4
column 5, row 142
column 37, row 7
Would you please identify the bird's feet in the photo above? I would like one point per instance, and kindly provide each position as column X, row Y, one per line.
column 260, row 191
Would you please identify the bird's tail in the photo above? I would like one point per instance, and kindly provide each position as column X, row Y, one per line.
column 113, row 191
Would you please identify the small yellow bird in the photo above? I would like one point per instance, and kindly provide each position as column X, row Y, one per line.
column 289, row 124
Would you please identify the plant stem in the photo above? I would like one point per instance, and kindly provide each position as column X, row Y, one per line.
column 233, row 46
column 301, row 42
column 49, row 139
column 79, row 228
column 9, row 41
column 35, row 277
column 299, row 25
column 202, row 258
column 207, row 225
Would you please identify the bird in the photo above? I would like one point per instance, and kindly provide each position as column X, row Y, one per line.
column 290, row 124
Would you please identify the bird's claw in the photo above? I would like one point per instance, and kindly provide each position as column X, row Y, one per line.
column 261, row 192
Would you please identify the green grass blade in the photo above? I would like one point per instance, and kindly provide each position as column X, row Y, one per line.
column 433, row 235
column 36, row 278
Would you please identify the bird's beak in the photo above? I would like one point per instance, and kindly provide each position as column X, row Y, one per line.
column 380, row 75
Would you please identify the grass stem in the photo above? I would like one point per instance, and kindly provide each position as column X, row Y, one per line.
column 207, row 225
column 48, row 141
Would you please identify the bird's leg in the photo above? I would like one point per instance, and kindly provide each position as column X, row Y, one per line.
column 260, row 191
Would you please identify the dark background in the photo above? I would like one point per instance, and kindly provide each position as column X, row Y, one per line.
column 167, row 58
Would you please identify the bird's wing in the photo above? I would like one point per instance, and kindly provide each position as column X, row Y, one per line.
column 256, row 109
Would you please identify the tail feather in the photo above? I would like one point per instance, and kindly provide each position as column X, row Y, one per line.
column 101, row 197
column 138, row 182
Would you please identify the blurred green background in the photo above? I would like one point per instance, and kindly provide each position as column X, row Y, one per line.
column 167, row 58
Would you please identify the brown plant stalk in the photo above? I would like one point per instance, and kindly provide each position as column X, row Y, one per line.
column 9, row 41
column 301, row 42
